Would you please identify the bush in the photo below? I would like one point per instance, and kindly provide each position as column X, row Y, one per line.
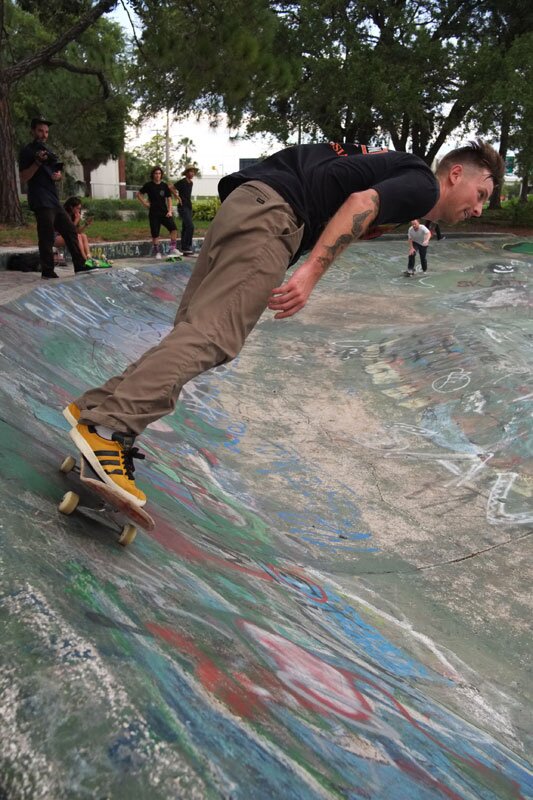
column 520, row 214
column 107, row 208
column 29, row 218
column 511, row 190
column 205, row 210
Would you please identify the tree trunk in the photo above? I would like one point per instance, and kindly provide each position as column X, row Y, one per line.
column 10, row 208
column 495, row 198
column 524, row 186
column 87, row 169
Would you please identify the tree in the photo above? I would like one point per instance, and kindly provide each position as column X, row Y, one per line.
column 153, row 154
column 188, row 147
column 360, row 70
column 95, row 129
column 503, row 108
column 372, row 70
column 22, row 27
column 218, row 66
column 137, row 169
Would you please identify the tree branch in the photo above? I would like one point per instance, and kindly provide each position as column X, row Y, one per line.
column 27, row 65
column 63, row 64
column 454, row 118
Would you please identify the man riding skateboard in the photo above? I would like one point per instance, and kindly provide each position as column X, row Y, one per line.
column 317, row 199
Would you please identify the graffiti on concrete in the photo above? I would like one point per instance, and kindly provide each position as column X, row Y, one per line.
column 210, row 659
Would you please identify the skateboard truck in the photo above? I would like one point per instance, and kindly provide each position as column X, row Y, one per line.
column 111, row 503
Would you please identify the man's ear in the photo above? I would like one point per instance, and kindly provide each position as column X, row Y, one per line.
column 455, row 173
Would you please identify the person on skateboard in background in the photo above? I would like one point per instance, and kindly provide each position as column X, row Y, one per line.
column 418, row 236
column 315, row 199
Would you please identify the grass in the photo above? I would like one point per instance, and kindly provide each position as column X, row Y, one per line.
column 112, row 230
column 513, row 217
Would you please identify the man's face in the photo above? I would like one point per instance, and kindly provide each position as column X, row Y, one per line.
column 40, row 132
column 468, row 189
column 158, row 175
column 190, row 174
column 415, row 224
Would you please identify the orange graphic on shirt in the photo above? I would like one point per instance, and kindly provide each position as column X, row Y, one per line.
column 365, row 149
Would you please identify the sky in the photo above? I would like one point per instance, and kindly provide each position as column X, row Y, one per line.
column 215, row 154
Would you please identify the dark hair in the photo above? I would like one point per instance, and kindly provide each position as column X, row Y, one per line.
column 155, row 169
column 477, row 154
column 70, row 203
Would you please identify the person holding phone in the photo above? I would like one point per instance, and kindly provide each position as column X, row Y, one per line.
column 73, row 207
column 40, row 168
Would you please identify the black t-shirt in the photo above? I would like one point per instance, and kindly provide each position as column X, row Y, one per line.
column 42, row 190
column 184, row 189
column 316, row 179
column 157, row 195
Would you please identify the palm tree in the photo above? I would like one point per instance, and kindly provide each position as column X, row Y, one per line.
column 188, row 146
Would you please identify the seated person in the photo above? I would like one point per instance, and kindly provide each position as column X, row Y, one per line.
column 74, row 210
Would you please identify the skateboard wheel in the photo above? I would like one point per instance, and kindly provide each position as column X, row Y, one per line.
column 69, row 503
column 128, row 534
column 68, row 464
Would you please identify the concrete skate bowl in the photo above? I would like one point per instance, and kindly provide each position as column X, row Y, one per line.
column 334, row 601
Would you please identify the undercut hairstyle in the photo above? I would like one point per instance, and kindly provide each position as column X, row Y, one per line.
column 478, row 154
column 156, row 169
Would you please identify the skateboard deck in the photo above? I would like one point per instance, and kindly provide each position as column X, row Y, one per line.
column 115, row 507
column 115, row 500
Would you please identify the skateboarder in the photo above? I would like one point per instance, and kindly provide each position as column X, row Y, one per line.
column 316, row 199
column 418, row 237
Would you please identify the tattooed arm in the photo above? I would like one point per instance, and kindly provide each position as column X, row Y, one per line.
column 349, row 223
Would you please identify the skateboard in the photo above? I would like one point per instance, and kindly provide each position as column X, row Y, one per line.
column 174, row 258
column 122, row 515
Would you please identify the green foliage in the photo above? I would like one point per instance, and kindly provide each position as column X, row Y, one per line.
column 109, row 209
column 205, row 209
column 137, row 169
column 366, row 70
column 208, row 55
column 511, row 190
column 153, row 154
column 84, row 121
column 27, row 214
column 519, row 214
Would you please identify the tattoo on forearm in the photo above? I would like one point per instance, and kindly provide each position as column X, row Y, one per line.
column 358, row 226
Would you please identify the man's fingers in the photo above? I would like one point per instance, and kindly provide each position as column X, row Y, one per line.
column 289, row 312
column 279, row 300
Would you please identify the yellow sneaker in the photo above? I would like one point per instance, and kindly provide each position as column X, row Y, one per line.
column 111, row 459
column 72, row 413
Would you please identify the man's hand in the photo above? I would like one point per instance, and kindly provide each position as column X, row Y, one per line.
column 349, row 223
column 412, row 251
column 169, row 213
column 292, row 296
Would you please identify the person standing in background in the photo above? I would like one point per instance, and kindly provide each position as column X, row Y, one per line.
column 159, row 207
column 434, row 228
column 419, row 237
column 40, row 168
column 184, row 190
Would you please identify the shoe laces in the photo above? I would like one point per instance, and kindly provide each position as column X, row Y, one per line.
column 128, row 453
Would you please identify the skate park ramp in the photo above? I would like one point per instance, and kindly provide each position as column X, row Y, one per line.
column 335, row 601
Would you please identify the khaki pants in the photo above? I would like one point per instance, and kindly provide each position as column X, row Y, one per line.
column 245, row 255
